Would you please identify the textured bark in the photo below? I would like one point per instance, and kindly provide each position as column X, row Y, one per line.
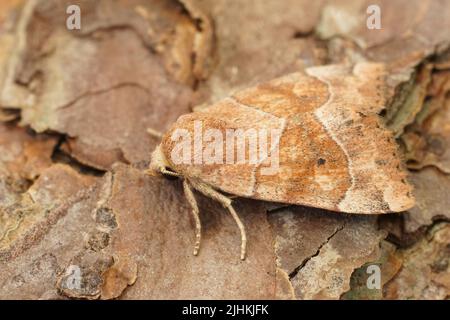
column 79, row 218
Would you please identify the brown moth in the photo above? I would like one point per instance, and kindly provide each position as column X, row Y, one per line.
column 330, row 148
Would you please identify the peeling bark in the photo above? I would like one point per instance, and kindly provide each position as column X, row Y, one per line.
column 80, row 219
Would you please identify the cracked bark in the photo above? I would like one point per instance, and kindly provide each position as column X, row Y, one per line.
column 294, row 273
column 72, row 192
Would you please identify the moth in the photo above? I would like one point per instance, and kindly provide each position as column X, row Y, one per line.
column 311, row 138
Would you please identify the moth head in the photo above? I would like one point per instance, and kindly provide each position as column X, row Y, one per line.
column 158, row 162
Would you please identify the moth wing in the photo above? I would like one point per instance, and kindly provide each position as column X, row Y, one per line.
column 332, row 151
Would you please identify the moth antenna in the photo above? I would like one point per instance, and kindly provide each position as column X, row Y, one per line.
column 169, row 173
column 226, row 203
column 155, row 133
column 154, row 172
column 195, row 212
column 159, row 164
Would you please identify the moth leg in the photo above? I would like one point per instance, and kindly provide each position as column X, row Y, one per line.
column 195, row 212
column 226, row 203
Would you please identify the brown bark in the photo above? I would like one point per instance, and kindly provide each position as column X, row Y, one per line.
column 75, row 106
